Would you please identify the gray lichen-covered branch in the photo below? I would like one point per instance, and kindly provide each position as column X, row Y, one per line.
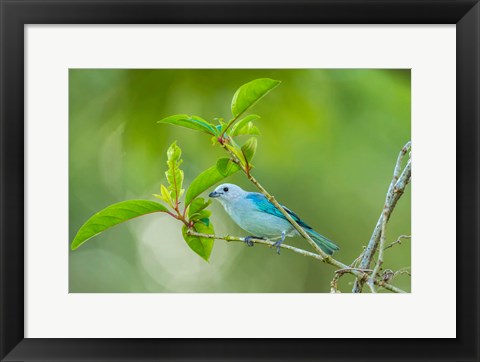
column 396, row 189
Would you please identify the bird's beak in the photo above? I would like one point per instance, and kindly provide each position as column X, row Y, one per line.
column 214, row 194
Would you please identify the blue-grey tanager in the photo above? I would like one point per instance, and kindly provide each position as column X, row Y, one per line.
column 254, row 213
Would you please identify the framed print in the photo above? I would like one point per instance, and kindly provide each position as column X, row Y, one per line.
column 239, row 180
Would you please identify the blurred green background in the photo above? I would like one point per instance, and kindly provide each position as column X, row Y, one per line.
column 329, row 141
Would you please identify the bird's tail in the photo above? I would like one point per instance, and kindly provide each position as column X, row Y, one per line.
column 326, row 245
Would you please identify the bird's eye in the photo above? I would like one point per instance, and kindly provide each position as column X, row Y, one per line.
column 225, row 189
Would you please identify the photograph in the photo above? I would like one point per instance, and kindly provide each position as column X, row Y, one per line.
column 239, row 180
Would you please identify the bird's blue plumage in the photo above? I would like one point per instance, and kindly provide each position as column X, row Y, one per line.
column 262, row 204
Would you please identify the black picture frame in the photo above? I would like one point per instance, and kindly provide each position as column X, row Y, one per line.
column 15, row 14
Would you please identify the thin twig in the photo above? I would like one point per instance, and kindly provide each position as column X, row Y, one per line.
column 354, row 262
column 257, row 241
column 401, row 272
column 334, row 283
column 339, row 273
column 398, row 241
column 348, row 269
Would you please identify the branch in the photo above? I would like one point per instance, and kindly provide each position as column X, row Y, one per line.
column 381, row 249
column 256, row 241
column 340, row 272
column 388, row 274
column 359, row 273
column 398, row 241
column 395, row 191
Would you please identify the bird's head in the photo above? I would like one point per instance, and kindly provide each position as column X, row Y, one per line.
column 227, row 192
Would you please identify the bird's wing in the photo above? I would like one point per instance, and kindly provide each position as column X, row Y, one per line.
column 262, row 204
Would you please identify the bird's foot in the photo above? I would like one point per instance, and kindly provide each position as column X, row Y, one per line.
column 248, row 240
column 278, row 245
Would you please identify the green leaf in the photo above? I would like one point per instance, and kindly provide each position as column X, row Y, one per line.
column 236, row 150
column 237, row 127
column 160, row 197
column 174, row 152
column 226, row 166
column 249, row 128
column 205, row 221
column 250, row 93
column 202, row 216
column 166, row 195
column 174, row 174
column 198, row 216
column 249, row 148
column 201, row 246
column 191, row 122
column 207, row 179
column 114, row 215
column 198, row 205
